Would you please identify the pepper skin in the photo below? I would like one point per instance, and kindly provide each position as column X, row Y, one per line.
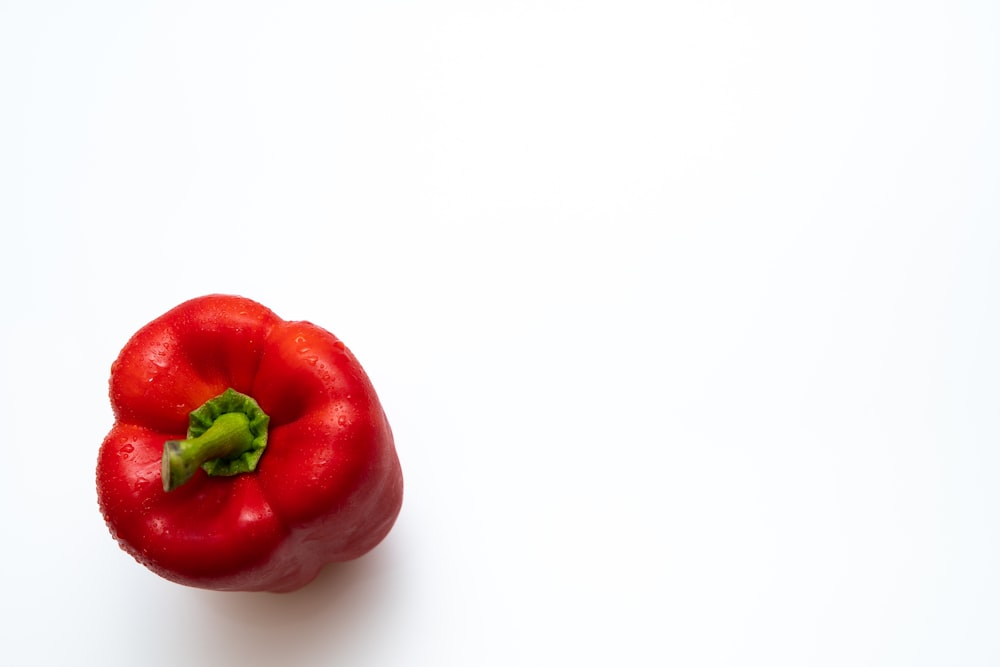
column 327, row 486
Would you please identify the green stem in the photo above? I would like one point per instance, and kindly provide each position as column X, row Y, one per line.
column 226, row 436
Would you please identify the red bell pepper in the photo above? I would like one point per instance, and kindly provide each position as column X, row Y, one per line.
column 247, row 451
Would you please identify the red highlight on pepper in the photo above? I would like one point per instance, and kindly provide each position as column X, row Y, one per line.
column 247, row 452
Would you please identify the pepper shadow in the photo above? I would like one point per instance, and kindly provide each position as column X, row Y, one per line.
column 342, row 613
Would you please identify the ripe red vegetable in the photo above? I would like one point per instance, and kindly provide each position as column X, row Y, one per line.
column 247, row 451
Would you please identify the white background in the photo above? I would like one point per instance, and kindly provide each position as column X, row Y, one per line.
column 685, row 315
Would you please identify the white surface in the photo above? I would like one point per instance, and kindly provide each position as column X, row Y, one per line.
column 686, row 316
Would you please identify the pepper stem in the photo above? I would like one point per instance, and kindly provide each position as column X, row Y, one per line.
column 226, row 436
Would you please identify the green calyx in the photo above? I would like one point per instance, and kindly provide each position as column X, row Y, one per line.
column 226, row 436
